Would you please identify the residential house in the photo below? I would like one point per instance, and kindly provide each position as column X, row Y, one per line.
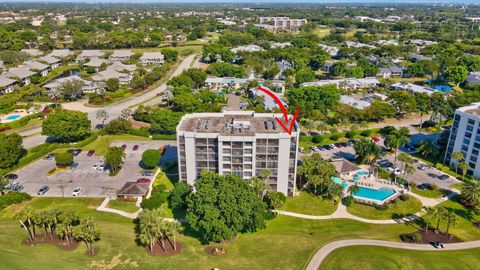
column 358, row 45
column 247, row 48
column 417, row 57
column 332, row 51
column 88, row 86
column 348, row 84
column 96, row 63
column 121, row 55
column 356, row 103
column 390, row 42
column 61, row 53
column 152, row 58
column 392, row 71
column 32, row 52
column 372, row 59
column 226, row 83
column 40, row 68
column 22, row 73
column 327, row 66
column 280, row 45
column 269, row 102
column 473, row 78
column 6, row 84
column 89, row 54
column 413, row 88
column 53, row 62
column 282, row 65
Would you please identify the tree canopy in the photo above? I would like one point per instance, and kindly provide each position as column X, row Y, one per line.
column 67, row 126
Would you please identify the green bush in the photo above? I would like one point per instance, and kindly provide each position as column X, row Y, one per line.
column 305, row 138
column 385, row 131
column 118, row 126
column 64, row 159
column 351, row 134
column 13, row 198
column 139, row 132
column 178, row 197
column 151, row 158
column 404, row 197
column 317, row 139
column 348, row 201
column 335, row 137
column 156, row 200
column 275, row 200
column 366, row 133
column 382, row 207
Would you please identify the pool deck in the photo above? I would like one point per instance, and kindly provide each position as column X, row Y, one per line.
column 21, row 113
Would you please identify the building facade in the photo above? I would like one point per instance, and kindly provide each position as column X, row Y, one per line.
column 465, row 137
column 237, row 142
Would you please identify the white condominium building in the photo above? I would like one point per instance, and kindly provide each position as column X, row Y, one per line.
column 238, row 142
column 465, row 137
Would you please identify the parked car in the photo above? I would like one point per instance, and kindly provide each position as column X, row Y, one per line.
column 143, row 181
column 42, row 190
column 422, row 167
column 95, row 166
column 76, row 191
column 338, row 145
column 135, row 147
column 74, row 166
column 332, row 146
column 74, row 152
column 444, row 177
column 11, row 176
column 147, row 173
column 101, row 166
column 124, row 147
column 376, row 139
column 424, row 186
column 90, row 153
column 17, row 188
column 50, row 156
column 301, row 150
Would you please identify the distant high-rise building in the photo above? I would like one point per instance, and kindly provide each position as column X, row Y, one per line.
column 465, row 137
column 237, row 142
column 281, row 23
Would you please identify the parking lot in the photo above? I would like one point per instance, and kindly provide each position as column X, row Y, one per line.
column 94, row 182
column 428, row 175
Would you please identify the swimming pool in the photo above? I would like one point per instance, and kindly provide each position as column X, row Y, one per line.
column 374, row 194
column 443, row 88
column 362, row 173
column 356, row 178
column 338, row 180
column 12, row 117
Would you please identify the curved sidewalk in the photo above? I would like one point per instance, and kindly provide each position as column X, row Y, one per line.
column 323, row 252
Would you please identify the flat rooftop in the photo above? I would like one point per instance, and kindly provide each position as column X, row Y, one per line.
column 231, row 124
column 473, row 109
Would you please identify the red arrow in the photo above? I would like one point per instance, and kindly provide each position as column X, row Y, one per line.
column 284, row 111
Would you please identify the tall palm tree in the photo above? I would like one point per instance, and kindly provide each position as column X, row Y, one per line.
column 427, row 217
column 457, row 156
column 452, row 220
column 464, row 167
column 88, row 233
column 407, row 161
column 150, row 223
column 114, row 157
column 396, row 140
column 25, row 217
column 353, row 189
column 367, row 151
column 438, row 214
column 320, row 126
column 175, row 228
column 471, row 192
column 427, row 148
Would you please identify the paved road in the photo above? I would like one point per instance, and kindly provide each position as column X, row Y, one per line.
column 322, row 253
column 33, row 137
column 429, row 175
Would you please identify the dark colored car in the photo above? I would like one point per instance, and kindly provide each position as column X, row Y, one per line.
column 135, row 147
column 50, row 156
column 443, row 177
column 338, row 145
column 43, row 190
column 90, row 153
column 17, row 187
column 124, row 147
column 11, row 176
column 143, row 181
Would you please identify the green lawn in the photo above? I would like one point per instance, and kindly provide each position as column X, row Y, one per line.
column 465, row 230
column 370, row 258
column 128, row 207
column 307, row 204
column 458, row 185
column 286, row 243
column 101, row 144
column 411, row 206
column 163, row 179
column 430, row 193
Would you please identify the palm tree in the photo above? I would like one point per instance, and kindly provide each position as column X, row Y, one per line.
column 3, row 183
column 174, row 229
column 363, row 125
column 65, row 225
column 407, row 163
column 396, row 140
column 457, row 156
column 25, row 217
column 427, row 148
column 452, row 220
column 353, row 189
column 150, row 223
column 87, row 232
column 429, row 211
column 367, row 151
column 51, row 219
column 438, row 214
column 114, row 157
column 464, row 167
column 471, row 192
column 321, row 126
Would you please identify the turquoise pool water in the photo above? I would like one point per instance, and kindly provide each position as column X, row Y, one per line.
column 443, row 88
column 12, row 117
column 375, row 194
column 356, row 178
column 361, row 173
column 338, row 180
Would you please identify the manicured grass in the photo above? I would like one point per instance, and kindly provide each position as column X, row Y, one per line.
column 458, row 185
column 305, row 203
column 163, row 179
column 411, row 206
column 371, row 257
column 128, row 207
column 465, row 229
column 430, row 193
column 101, row 144
column 286, row 243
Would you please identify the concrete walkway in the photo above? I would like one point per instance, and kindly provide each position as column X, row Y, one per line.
column 103, row 207
column 323, row 252
column 342, row 212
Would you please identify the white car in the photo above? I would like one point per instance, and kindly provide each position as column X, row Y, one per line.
column 333, row 146
column 77, row 191
column 101, row 166
column 95, row 166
